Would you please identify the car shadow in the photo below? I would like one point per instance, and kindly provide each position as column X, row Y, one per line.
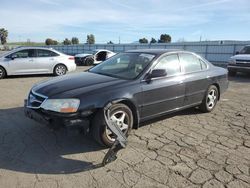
column 240, row 78
column 26, row 146
column 29, row 76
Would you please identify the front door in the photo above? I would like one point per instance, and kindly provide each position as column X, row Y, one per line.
column 22, row 62
column 161, row 95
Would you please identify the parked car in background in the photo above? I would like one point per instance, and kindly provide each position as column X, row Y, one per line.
column 240, row 62
column 95, row 58
column 136, row 85
column 35, row 60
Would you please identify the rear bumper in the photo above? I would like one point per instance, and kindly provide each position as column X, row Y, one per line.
column 71, row 67
column 238, row 68
column 56, row 120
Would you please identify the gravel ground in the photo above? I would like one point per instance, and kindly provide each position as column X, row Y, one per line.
column 185, row 149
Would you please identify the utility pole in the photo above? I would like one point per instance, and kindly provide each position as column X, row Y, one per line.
column 119, row 40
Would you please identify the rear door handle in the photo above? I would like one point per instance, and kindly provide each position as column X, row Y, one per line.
column 31, row 60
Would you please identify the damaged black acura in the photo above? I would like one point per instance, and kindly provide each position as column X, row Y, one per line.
column 138, row 85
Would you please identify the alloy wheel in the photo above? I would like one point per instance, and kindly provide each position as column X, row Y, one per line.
column 60, row 70
column 121, row 118
column 211, row 98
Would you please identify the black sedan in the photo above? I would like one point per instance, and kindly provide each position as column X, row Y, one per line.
column 138, row 85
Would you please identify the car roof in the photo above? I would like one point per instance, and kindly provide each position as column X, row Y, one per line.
column 33, row 47
column 156, row 51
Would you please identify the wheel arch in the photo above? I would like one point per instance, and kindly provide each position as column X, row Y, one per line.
column 59, row 64
column 133, row 108
column 4, row 70
column 218, row 87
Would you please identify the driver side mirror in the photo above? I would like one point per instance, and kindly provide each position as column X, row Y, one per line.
column 14, row 56
column 237, row 53
column 156, row 73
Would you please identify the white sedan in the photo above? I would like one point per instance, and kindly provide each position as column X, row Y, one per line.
column 35, row 60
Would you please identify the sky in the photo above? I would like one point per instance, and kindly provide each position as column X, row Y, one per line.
column 129, row 20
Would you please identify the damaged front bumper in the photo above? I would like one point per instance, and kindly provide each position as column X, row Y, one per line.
column 56, row 120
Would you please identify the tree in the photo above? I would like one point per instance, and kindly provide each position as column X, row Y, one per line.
column 55, row 42
column 50, row 41
column 3, row 35
column 153, row 41
column 90, row 39
column 67, row 41
column 165, row 38
column 110, row 42
column 75, row 40
column 143, row 40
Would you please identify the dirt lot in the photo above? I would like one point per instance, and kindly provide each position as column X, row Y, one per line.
column 186, row 149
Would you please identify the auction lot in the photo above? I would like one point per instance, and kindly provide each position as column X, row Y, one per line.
column 185, row 149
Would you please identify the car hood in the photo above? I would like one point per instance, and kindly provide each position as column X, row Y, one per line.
column 241, row 56
column 85, row 81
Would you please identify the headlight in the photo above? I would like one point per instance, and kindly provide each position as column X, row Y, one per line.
column 232, row 61
column 61, row 105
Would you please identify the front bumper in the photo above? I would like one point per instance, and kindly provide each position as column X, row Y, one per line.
column 56, row 120
column 237, row 68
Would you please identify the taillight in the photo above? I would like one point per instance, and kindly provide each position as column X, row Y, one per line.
column 71, row 58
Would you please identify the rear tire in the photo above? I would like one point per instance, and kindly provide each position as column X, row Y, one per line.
column 60, row 70
column 232, row 73
column 2, row 73
column 210, row 99
column 99, row 129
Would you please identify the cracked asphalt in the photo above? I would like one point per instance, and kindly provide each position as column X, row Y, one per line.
column 184, row 149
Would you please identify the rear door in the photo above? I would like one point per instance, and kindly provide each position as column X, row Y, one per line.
column 22, row 62
column 45, row 60
column 164, row 94
column 196, row 79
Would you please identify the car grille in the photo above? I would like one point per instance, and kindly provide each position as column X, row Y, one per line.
column 243, row 60
column 35, row 100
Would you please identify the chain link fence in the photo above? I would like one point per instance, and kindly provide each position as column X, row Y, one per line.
column 214, row 51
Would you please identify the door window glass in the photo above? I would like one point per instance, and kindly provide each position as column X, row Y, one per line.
column 22, row 54
column 43, row 53
column 170, row 63
column 190, row 62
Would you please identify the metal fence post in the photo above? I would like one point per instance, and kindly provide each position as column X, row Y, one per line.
column 234, row 50
column 206, row 51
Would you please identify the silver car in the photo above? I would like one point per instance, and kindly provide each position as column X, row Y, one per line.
column 35, row 60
